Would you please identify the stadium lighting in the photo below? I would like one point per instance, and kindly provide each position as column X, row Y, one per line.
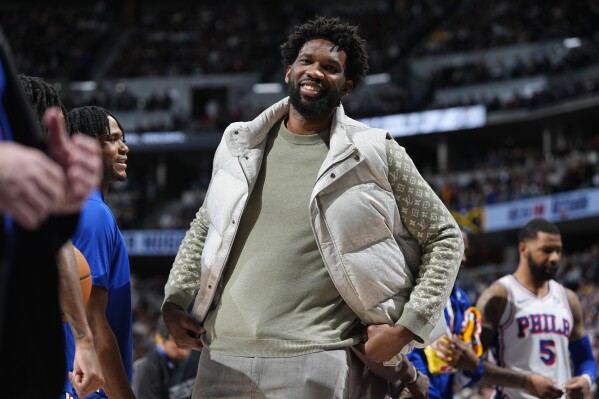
column 119, row 87
column 89, row 85
column 156, row 138
column 377, row 78
column 572, row 42
column 431, row 121
column 262, row 88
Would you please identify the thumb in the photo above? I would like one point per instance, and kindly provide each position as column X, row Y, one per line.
column 570, row 383
column 57, row 135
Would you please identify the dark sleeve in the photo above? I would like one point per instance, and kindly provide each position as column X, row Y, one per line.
column 147, row 381
column 32, row 275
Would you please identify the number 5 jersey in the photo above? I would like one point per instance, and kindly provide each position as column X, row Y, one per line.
column 533, row 334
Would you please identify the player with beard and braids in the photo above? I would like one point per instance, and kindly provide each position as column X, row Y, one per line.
column 536, row 324
column 98, row 237
column 318, row 238
column 85, row 374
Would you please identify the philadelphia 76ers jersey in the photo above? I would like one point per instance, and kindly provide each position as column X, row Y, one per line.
column 533, row 334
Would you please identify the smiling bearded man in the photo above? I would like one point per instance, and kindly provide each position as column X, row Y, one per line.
column 310, row 241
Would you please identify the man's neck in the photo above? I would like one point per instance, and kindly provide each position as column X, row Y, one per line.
column 539, row 288
column 299, row 124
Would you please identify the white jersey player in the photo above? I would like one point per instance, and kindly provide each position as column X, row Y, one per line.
column 536, row 323
column 534, row 333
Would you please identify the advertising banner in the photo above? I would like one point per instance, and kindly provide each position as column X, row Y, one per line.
column 556, row 208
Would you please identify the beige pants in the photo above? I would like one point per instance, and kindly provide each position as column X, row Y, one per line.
column 321, row 375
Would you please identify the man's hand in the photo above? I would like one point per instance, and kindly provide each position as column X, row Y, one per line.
column 541, row 387
column 457, row 353
column 30, row 184
column 419, row 389
column 384, row 341
column 185, row 330
column 80, row 159
column 576, row 388
column 86, row 376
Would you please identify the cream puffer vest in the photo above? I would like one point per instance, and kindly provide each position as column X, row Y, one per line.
column 370, row 256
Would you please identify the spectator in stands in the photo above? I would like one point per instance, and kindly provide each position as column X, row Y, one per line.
column 167, row 372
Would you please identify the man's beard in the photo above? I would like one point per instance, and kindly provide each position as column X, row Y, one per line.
column 313, row 108
column 538, row 273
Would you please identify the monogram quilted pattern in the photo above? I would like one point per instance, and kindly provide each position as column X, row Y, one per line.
column 431, row 224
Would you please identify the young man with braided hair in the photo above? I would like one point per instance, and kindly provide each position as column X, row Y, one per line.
column 42, row 95
column 99, row 239
column 317, row 235
column 85, row 373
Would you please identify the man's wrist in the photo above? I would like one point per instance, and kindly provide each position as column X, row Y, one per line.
column 524, row 381
column 477, row 370
column 404, row 335
column 591, row 384
column 170, row 304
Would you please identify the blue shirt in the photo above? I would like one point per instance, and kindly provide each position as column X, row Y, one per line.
column 101, row 242
column 5, row 131
column 5, row 135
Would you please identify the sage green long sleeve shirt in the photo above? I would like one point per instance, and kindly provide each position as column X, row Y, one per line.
column 421, row 212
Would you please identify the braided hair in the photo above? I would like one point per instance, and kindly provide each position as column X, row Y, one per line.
column 92, row 121
column 340, row 33
column 42, row 95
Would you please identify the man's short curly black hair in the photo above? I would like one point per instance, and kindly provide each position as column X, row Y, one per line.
column 336, row 31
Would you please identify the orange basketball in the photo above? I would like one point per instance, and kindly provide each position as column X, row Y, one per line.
column 85, row 278
column 85, row 275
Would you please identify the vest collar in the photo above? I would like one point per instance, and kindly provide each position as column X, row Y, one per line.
column 243, row 136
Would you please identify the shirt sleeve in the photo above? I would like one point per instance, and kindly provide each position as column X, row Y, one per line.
column 95, row 238
column 184, row 277
column 438, row 235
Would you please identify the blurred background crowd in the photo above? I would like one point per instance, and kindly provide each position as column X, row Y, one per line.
column 176, row 73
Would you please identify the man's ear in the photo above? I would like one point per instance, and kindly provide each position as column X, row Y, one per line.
column 522, row 249
column 349, row 84
column 287, row 73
